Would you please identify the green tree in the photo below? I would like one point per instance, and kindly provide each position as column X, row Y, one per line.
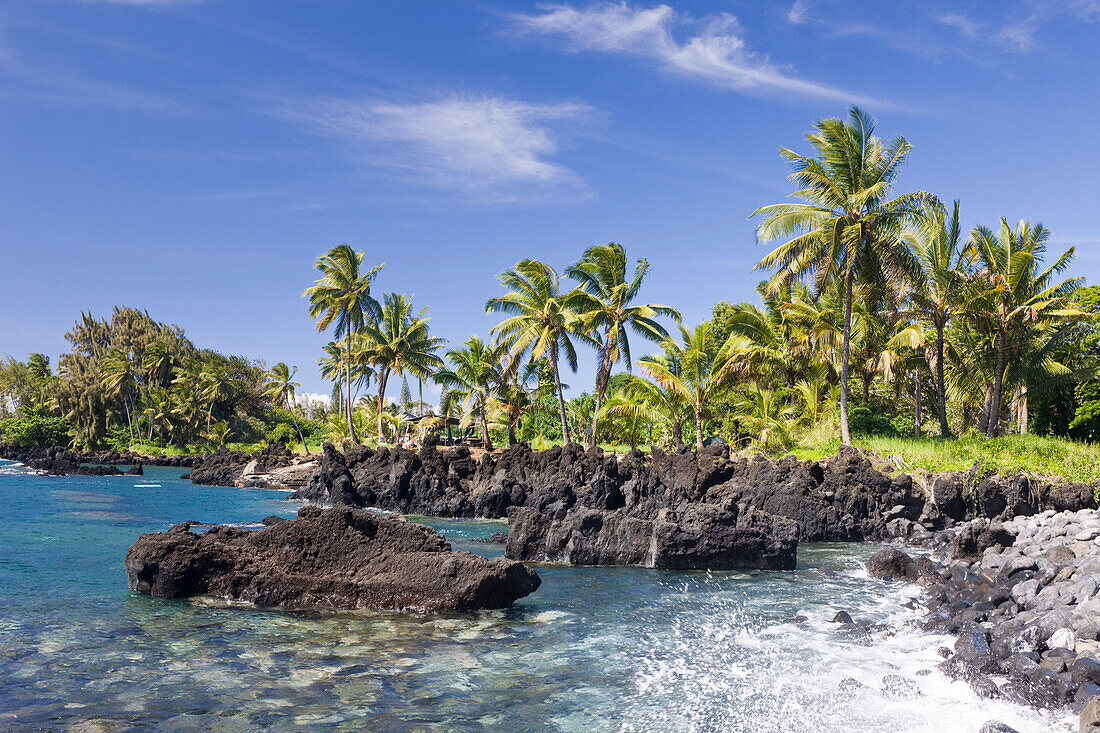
column 279, row 388
column 662, row 404
column 1009, row 294
column 542, row 322
column 120, row 381
column 847, row 227
column 764, row 417
column 341, row 298
column 938, row 249
column 399, row 342
column 605, row 303
column 472, row 380
column 703, row 375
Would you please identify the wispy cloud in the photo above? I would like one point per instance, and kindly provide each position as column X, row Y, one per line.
column 1016, row 28
column 962, row 23
column 799, row 12
column 71, row 87
column 714, row 51
column 490, row 148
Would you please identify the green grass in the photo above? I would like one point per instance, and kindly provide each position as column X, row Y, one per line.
column 1053, row 457
column 152, row 450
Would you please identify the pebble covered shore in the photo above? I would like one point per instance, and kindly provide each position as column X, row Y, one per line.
column 1023, row 598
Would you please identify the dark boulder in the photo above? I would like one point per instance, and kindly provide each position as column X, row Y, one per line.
column 1090, row 716
column 334, row 558
column 697, row 536
column 892, row 564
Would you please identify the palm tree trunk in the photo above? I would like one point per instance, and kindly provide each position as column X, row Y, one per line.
column 916, row 404
column 295, row 419
column 845, row 434
column 1019, row 405
column 602, row 378
column 983, row 416
column 998, row 384
column 347, row 381
column 129, row 420
column 383, row 378
column 485, row 430
column 678, row 433
column 419, row 396
column 565, row 436
column 941, row 392
column 699, row 427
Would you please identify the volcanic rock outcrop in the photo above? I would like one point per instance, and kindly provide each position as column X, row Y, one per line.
column 274, row 467
column 332, row 558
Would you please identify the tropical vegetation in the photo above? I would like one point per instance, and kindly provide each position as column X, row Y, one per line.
column 881, row 319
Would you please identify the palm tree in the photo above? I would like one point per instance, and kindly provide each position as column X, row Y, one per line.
column 627, row 417
column 605, row 304
column 157, row 362
column 472, row 380
column 399, row 341
column 704, row 374
column 514, row 401
column 214, row 386
column 847, row 227
column 542, row 324
column 279, row 388
column 769, row 342
column 341, row 297
column 218, row 433
column 119, row 380
column 938, row 249
column 663, row 405
column 1008, row 291
column 764, row 417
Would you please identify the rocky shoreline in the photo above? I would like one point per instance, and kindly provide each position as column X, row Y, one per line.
column 1022, row 598
column 58, row 461
column 1010, row 564
column 273, row 467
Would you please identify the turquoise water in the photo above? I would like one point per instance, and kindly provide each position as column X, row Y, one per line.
column 594, row 649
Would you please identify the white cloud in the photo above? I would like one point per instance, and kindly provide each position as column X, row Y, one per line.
column 962, row 23
column 489, row 147
column 1020, row 34
column 308, row 398
column 715, row 54
column 799, row 12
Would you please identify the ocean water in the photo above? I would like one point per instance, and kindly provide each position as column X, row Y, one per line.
column 594, row 649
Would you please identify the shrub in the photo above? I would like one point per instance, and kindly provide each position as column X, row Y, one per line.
column 117, row 438
column 865, row 421
column 286, row 432
column 33, row 427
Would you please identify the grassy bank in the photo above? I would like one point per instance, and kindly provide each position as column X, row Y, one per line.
column 1044, row 456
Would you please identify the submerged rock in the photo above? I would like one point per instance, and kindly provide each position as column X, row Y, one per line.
column 333, row 558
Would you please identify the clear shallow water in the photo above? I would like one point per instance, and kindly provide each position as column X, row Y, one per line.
column 619, row 649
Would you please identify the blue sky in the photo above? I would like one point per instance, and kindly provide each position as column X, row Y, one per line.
column 194, row 157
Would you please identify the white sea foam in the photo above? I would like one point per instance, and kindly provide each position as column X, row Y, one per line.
column 726, row 670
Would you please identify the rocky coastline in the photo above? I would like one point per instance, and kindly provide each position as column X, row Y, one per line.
column 58, row 461
column 1004, row 559
column 1009, row 564
column 273, row 467
column 1023, row 599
